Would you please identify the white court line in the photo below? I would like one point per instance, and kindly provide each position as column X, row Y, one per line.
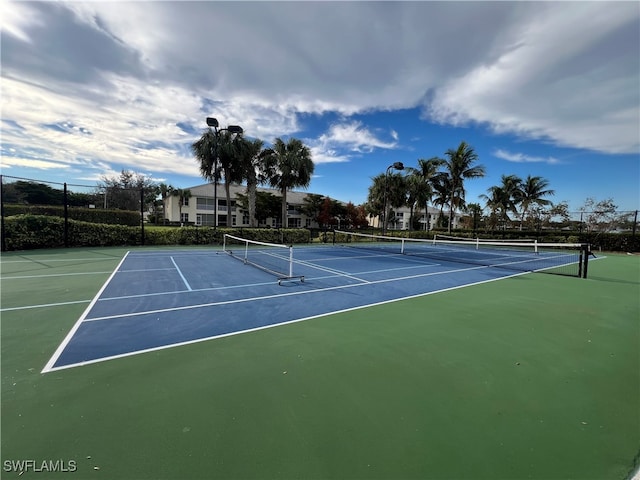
column 181, row 275
column 43, row 260
column 52, row 275
column 240, row 332
column 138, row 270
column 271, row 283
column 67, row 339
column 49, row 367
column 44, row 305
column 280, row 295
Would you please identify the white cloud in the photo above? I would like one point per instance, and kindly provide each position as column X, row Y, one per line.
column 354, row 136
column 568, row 76
column 524, row 158
column 124, row 74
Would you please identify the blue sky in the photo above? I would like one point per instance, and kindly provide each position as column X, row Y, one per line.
column 550, row 89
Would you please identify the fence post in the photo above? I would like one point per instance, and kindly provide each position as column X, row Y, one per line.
column 66, row 216
column 3, row 246
column 142, row 212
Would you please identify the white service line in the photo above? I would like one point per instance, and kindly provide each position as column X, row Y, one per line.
column 181, row 275
column 72, row 332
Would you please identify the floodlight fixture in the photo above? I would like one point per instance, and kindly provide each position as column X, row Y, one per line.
column 235, row 129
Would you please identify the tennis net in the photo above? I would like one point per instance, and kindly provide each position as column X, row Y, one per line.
column 559, row 258
column 273, row 258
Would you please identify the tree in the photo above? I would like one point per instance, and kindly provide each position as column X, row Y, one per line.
column 311, row 206
column 393, row 189
column 502, row 199
column 267, row 205
column 122, row 192
column 531, row 191
column 475, row 215
column 459, row 167
column 289, row 166
column 253, row 168
column 421, row 184
column 32, row 193
column 375, row 197
column 598, row 215
column 441, row 188
column 220, row 154
column 356, row 216
column 396, row 186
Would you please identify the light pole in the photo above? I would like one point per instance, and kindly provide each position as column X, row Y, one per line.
column 397, row 166
column 213, row 123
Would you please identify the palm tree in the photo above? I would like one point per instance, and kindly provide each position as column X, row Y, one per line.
column 497, row 202
column 394, row 188
column 375, row 197
column 502, row 199
column 441, row 188
column 531, row 191
column 421, row 183
column 230, row 157
column 253, row 169
column 475, row 211
column 289, row 166
column 397, row 189
column 206, row 152
column 219, row 154
column 459, row 166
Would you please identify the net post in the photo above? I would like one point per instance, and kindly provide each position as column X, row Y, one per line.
column 477, row 243
column 535, row 245
column 246, row 252
column 585, row 250
column 291, row 262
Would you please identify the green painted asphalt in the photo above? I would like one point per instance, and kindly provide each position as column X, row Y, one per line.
column 535, row 376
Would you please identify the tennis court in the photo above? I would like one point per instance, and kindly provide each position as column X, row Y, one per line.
column 407, row 366
column 162, row 299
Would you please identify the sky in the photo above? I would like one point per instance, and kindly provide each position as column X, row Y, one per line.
column 548, row 89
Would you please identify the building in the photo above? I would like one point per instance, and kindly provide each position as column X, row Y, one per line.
column 402, row 216
column 200, row 208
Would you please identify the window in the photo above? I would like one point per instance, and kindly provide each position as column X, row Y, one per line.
column 185, row 201
column 222, row 204
column 184, row 217
column 205, row 219
column 294, row 223
column 205, row 204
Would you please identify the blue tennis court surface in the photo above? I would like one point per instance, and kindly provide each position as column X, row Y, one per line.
column 160, row 299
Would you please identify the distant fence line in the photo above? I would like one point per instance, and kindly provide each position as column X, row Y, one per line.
column 133, row 206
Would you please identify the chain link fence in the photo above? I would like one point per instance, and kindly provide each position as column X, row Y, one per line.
column 25, row 201
column 38, row 213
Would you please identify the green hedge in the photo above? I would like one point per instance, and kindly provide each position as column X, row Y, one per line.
column 24, row 232
column 91, row 215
